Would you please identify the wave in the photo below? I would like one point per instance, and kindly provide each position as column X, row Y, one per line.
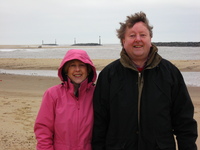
column 7, row 50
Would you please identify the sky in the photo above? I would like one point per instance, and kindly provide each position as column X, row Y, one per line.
column 64, row 21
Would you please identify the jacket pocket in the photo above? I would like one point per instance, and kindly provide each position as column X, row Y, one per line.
column 166, row 142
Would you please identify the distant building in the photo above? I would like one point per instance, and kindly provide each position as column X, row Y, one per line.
column 87, row 44
column 50, row 44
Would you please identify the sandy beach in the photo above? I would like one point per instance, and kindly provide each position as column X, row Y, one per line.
column 21, row 96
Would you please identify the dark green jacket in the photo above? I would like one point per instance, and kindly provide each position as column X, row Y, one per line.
column 142, row 111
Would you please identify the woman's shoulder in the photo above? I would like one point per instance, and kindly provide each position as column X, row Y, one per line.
column 55, row 89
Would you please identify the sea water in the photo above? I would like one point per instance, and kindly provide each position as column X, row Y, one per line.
column 109, row 51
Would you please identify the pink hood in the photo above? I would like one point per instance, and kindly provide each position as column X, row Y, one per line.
column 79, row 55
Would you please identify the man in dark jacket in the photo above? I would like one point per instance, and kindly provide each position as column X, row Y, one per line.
column 141, row 101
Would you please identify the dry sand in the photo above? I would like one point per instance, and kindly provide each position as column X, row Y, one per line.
column 21, row 96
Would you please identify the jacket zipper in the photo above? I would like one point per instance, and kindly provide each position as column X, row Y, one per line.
column 78, row 107
column 140, row 86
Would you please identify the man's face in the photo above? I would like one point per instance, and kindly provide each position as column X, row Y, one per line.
column 137, row 41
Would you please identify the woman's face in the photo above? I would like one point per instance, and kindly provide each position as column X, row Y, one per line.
column 77, row 71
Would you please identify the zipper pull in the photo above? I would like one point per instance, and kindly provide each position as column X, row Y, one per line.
column 139, row 74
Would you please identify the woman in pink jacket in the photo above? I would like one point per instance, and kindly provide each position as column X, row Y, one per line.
column 65, row 118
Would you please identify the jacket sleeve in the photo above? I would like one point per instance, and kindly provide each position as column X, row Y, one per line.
column 184, row 125
column 44, row 124
column 101, row 115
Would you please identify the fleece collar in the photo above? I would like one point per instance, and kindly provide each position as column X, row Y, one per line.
column 153, row 59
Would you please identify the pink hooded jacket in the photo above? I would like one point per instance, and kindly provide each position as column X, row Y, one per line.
column 64, row 121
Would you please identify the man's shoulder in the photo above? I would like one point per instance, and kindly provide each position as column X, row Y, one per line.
column 112, row 67
column 114, row 63
column 166, row 62
column 167, row 65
